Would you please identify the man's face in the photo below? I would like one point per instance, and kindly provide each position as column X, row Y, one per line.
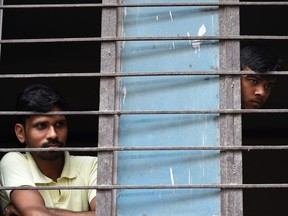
column 44, row 132
column 255, row 90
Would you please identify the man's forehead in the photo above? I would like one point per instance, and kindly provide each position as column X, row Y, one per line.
column 269, row 78
column 45, row 118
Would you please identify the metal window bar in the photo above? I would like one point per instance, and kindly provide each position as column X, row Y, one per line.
column 114, row 39
column 136, row 112
column 112, row 4
column 130, row 74
column 109, row 41
column 155, row 148
column 184, row 186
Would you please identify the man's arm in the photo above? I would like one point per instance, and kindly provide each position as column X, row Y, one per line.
column 93, row 204
column 30, row 203
column 61, row 212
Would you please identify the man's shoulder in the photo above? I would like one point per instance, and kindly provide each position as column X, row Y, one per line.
column 12, row 156
column 16, row 160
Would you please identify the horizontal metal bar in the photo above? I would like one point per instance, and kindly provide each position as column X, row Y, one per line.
column 114, row 39
column 149, row 148
column 132, row 74
column 183, row 186
column 170, row 4
column 148, row 112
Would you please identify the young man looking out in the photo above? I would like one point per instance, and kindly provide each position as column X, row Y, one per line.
column 46, row 168
column 256, row 88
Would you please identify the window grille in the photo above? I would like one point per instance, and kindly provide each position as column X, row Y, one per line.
column 107, row 77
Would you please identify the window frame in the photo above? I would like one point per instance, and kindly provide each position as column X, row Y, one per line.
column 230, row 98
column 107, row 134
column 231, row 199
column 230, row 124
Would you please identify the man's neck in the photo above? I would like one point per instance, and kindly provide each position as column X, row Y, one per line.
column 51, row 169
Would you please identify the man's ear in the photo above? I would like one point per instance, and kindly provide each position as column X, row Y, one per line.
column 20, row 132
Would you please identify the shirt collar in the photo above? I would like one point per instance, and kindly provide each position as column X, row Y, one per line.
column 40, row 178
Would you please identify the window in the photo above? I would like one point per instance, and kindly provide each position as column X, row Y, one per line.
column 40, row 57
column 167, row 108
column 266, row 129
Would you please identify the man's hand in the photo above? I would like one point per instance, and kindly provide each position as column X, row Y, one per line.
column 10, row 210
column 22, row 201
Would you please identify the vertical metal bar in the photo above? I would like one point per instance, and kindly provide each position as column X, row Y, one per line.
column 230, row 125
column 105, row 200
column 1, row 24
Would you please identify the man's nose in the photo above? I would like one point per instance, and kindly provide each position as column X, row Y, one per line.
column 260, row 90
column 52, row 134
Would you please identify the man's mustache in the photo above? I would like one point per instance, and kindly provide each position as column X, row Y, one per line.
column 53, row 143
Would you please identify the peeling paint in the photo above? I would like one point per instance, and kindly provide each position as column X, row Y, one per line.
column 189, row 176
column 212, row 22
column 171, row 176
column 173, row 45
column 125, row 11
column 124, row 91
column 171, row 16
column 157, row 18
column 196, row 43
column 203, row 152
column 188, row 34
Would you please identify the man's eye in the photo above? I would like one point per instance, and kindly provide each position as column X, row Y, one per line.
column 60, row 124
column 269, row 86
column 40, row 126
column 253, row 81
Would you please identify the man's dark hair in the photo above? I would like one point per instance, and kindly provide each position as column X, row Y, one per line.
column 258, row 58
column 39, row 98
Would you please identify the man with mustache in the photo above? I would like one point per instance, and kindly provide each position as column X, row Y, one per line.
column 46, row 168
column 256, row 88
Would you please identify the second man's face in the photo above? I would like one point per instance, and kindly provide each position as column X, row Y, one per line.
column 255, row 90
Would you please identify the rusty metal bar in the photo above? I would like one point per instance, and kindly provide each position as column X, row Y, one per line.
column 1, row 25
column 121, row 187
column 131, row 74
column 140, row 112
column 114, row 39
column 154, row 148
column 117, row 5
